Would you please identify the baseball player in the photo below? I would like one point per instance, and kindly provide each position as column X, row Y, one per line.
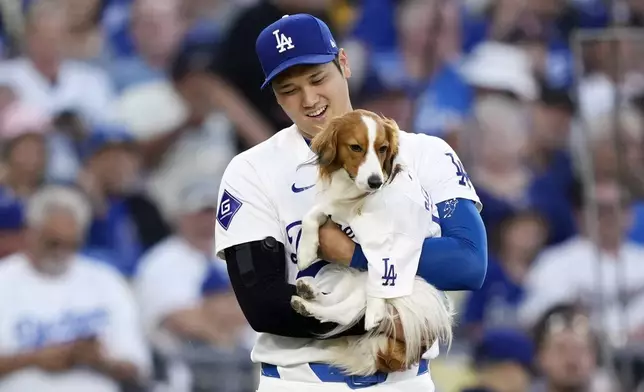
column 265, row 192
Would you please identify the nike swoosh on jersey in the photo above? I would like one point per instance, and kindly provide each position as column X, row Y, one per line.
column 298, row 190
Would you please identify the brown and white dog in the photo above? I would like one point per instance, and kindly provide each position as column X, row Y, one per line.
column 356, row 158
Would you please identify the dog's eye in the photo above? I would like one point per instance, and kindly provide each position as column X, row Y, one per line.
column 355, row 147
column 383, row 149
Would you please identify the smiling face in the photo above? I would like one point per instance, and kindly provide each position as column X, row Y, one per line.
column 361, row 143
column 311, row 95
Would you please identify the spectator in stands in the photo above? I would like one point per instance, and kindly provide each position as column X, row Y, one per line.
column 22, row 169
column 606, row 148
column 567, row 352
column 44, row 78
column 549, row 159
column 68, row 323
column 125, row 222
column 11, row 226
column 22, row 134
column 518, row 241
column 572, row 270
column 419, row 66
column 86, row 39
column 169, row 285
column 499, row 137
column 225, row 367
column 196, row 142
column 503, row 360
column 157, row 30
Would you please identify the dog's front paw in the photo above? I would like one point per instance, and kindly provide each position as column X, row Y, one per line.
column 307, row 254
column 306, row 289
column 375, row 312
column 299, row 305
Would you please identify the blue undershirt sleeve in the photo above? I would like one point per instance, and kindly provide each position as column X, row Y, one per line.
column 458, row 259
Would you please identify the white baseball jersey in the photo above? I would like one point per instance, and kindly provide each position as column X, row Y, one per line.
column 90, row 299
column 265, row 192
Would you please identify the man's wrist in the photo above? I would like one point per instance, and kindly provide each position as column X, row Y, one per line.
column 118, row 370
column 358, row 260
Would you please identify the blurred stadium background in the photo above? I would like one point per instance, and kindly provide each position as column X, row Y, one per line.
column 142, row 103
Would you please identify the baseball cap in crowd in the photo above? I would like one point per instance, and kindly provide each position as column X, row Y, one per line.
column 504, row 345
column 195, row 53
column 556, row 97
column 294, row 40
column 216, row 281
column 103, row 136
column 11, row 216
column 197, row 196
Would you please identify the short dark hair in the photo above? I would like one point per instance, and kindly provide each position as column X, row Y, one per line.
column 565, row 313
column 335, row 61
column 556, row 97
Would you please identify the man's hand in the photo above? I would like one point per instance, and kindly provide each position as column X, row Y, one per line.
column 56, row 358
column 88, row 352
column 335, row 245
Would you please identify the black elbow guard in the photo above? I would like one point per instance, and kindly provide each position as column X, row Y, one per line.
column 259, row 276
column 257, row 273
column 251, row 262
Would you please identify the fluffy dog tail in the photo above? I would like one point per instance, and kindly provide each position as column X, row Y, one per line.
column 426, row 316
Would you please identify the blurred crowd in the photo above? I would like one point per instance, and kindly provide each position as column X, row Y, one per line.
column 126, row 113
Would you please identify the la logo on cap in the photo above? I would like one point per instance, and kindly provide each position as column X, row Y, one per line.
column 284, row 43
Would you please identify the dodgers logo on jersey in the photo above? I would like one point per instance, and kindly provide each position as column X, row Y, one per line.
column 32, row 332
column 228, row 207
column 294, row 234
column 284, row 43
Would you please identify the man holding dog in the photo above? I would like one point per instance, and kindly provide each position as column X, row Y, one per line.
column 265, row 192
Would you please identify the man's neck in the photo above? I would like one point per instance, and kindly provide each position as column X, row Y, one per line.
column 49, row 72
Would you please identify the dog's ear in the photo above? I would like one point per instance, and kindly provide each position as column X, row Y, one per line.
column 325, row 145
column 391, row 132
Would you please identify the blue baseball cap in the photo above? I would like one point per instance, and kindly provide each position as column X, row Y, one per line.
column 294, row 40
column 104, row 136
column 505, row 345
column 216, row 281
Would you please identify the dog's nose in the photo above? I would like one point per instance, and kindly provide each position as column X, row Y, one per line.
column 374, row 182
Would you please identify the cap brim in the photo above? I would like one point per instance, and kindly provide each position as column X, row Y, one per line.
column 301, row 60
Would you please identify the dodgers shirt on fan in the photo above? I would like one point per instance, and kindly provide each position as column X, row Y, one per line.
column 265, row 192
column 90, row 299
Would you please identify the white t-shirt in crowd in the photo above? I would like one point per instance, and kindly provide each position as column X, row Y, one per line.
column 169, row 279
column 90, row 299
column 611, row 286
column 81, row 87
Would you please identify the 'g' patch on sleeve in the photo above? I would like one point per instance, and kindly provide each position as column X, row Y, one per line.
column 227, row 209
